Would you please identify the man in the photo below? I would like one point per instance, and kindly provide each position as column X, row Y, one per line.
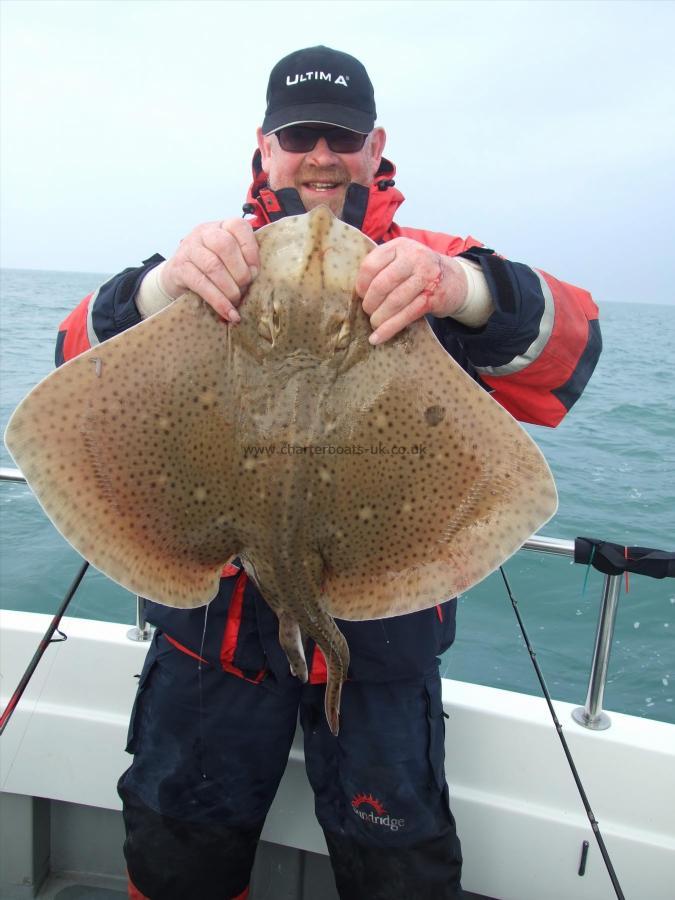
column 217, row 706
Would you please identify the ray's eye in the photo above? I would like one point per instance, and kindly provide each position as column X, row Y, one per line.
column 276, row 317
column 269, row 324
column 343, row 335
column 265, row 329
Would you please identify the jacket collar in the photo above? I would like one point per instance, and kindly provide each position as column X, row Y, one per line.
column 370, row 209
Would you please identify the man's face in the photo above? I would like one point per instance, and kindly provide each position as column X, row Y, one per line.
column 320, row 175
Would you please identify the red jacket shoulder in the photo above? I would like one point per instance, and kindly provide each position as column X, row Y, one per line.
column 447, row 244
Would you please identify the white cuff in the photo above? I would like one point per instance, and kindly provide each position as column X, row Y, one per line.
column 151, row 296
column 478, row 306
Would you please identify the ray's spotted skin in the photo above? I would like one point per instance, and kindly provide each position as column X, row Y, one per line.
column 354, row 482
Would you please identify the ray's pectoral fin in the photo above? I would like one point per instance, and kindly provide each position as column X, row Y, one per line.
column 290, row 639
column 133, row 457
column 452, row 486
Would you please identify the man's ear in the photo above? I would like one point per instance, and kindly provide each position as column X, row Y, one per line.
column 264, row 145
column 378, row 139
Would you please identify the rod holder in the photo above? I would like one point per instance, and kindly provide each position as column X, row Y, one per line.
column 591, row 715
column 142, row 630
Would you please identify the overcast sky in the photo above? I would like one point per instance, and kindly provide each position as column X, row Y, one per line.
column 545, row 129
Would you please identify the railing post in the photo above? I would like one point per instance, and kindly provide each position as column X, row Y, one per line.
column 591, row 715
column 142, row 631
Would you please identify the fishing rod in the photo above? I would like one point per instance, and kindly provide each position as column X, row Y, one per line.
column 558, row 727
column 47, row 639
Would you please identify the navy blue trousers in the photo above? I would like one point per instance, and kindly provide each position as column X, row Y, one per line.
column 210, row 750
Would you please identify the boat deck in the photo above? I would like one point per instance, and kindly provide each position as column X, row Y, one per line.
column 64, row 887
column 79, row 841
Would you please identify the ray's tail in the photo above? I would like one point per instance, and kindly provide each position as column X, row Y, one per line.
column 321, row 627
column 336, row 677
column 335, row 649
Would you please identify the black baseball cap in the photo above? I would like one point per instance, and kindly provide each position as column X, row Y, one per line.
column 320, row 85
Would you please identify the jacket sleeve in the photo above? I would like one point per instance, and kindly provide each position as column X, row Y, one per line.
column 538, row 349
column 105, row 312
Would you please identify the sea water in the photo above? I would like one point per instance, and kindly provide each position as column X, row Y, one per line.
column 613, row 459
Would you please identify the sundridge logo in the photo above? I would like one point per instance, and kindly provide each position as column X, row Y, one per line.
column 317, row 76
column 376, row 814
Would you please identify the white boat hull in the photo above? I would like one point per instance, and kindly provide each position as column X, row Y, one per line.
column 518, row 812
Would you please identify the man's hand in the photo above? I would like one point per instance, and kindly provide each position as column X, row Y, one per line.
column 403, row 280
column 218, row 261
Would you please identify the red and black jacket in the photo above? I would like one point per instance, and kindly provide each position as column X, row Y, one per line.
column 535, row 355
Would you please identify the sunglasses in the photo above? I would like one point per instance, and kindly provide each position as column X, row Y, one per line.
column 303, row 138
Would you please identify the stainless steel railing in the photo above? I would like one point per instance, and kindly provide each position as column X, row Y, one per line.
column 142, row 630
column 590, row 715
column 11, row 475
